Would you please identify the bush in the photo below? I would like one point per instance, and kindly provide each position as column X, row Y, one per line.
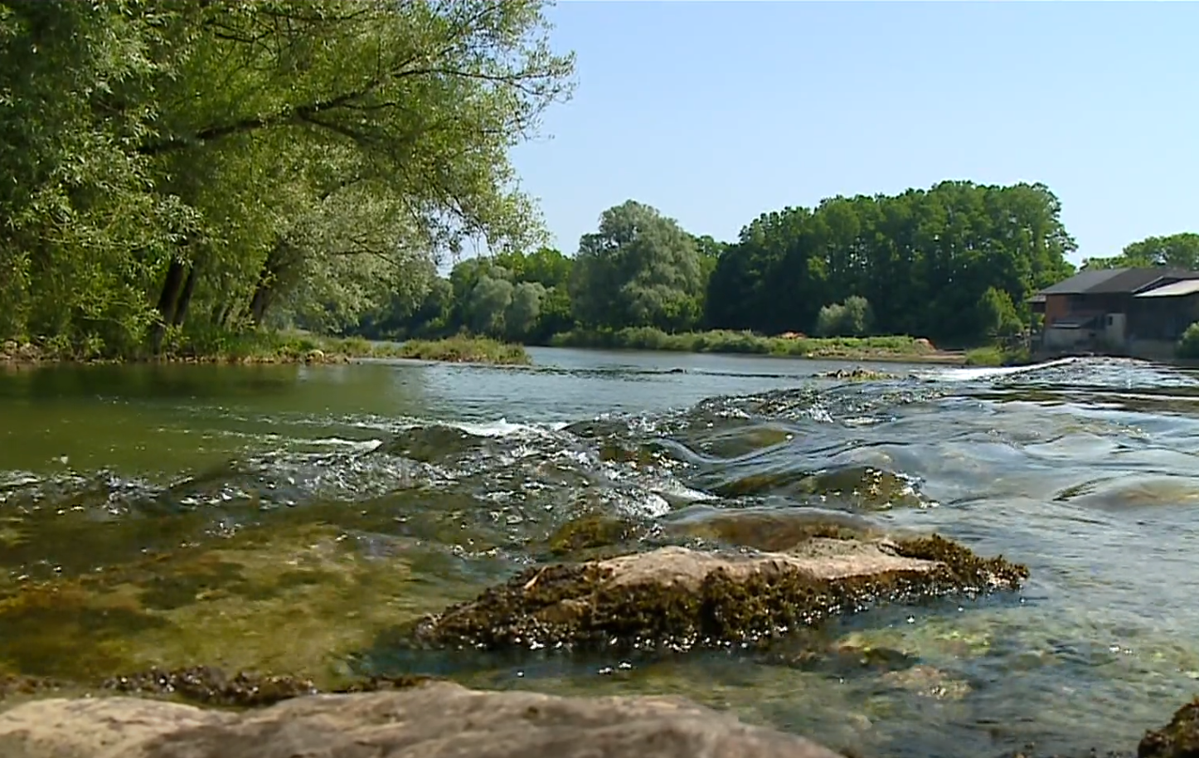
column 1188, row 346
column 853, row 318
column 462, row 349
column 997, row 315
column 743, row 342
column 995, row 355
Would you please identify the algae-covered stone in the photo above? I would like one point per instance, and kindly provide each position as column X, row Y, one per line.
column 1178, row 739
column 592, row 531
column 857, row 374
column 439, row 720
column 212, row 686
column 771, row 529
column 681, row 598
column 293, row 598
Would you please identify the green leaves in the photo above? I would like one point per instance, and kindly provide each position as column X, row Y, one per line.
column 639, row 269
column 1174, row 251
column 921, row 259
column 302, row 159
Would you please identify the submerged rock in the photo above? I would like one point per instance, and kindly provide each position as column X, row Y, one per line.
column 1178, row 739
column 592, row 531
column 857, row 374
column 680, row 598
column 771, row 529
column 434, row 721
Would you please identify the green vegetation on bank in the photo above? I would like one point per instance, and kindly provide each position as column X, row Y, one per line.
column 1188, row 345
column 993, row 356
column 955, row 264
column 726, row 341
column 173, row 170
column 462, row 349
column 281, row 347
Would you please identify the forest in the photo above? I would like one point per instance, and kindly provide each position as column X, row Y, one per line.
column 954, row 263
column 173, row 172
column 176, row 170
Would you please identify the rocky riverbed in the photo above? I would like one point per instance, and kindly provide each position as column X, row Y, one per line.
column 416, row 719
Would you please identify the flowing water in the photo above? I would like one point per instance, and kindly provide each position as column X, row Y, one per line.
column 294, row 518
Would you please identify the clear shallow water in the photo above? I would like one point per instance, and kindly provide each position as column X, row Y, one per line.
column 292, row 517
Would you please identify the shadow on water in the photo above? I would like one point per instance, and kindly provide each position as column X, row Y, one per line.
column 314, row 557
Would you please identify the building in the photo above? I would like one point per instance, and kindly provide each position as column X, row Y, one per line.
column 1139, row 312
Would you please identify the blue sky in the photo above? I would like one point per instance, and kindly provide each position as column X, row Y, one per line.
column 715, row 112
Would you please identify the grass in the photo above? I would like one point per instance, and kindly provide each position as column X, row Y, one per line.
column 463, row 349
column 727, row 341
column 994, row 355
column 279, row 347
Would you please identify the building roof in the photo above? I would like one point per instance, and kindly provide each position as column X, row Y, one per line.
column 1082, row 281
column 1115, row 281
column 1177, row 289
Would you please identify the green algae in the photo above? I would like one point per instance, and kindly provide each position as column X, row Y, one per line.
column 579, row 605
column 296, row 598
column 207, row 685
column 858, row 487
column 593, row 531
column 769, row 529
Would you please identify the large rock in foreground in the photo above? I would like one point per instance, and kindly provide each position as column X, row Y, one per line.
column 1178, row 739
column 433, row 721
column 681, row 598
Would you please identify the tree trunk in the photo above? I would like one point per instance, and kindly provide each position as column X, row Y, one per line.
column 264, row 291
column 171, row 287
column 185, row 297
column 260, row 301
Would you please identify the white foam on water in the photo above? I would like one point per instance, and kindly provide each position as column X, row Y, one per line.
column 499, row 428
column 364, row 446
column 973, row 374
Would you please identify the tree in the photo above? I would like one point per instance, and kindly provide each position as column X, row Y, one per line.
column 921, row 259
column 213, row 164
column 488, row 304
column 639, row 269
column 520, row 318
column 1174, row 251
column 853, row 318
column 997, row 315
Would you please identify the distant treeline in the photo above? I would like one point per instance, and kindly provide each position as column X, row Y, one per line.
column 954, row 263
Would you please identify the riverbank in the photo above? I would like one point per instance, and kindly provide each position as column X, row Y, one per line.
column 994, row 356
column 900, row 349
column 282, row 348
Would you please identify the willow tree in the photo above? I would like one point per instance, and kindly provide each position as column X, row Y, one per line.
column 295, row 153
column 639, row 268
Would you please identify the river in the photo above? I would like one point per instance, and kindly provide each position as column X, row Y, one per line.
column 291, row 518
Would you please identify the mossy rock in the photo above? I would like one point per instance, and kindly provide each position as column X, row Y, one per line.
column 857, row 374
column 1178, row 739
column 296, row 598
column 770, row 529
column 682, row 598
column 212, row 686
column 593, row 531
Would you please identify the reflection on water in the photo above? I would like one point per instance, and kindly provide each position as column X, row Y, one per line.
column 299, row 517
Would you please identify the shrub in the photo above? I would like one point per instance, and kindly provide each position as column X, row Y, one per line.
column 853, row 318
column 1188, row 346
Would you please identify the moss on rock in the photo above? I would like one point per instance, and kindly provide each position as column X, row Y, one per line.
column 682, row 598
column 1178, row 739
column 592, row 531
column 212, row 686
